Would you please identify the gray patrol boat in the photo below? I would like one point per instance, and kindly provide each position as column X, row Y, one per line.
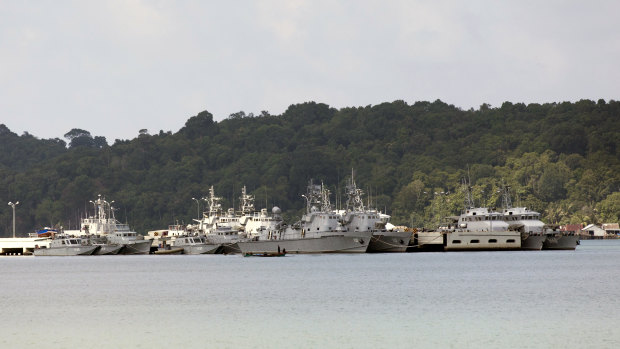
column 525, row 221
column 559, row 240
column 535, row 234
column 356, row 217
column 319, row 231
column 66, row 246
column 196, row 244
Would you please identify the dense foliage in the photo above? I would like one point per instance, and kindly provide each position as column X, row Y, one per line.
column 560, row 159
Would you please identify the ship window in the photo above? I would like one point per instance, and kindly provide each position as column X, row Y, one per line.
column 474, row 241
column 492, row 241
column 456, row 241
column 510, row 241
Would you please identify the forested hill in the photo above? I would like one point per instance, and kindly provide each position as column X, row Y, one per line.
column 560, row 159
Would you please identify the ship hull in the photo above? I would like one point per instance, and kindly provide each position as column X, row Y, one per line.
column 532, row 242
column 325, row 244
column 482, row 241
column 396, row 241
column 201, row 249
column 137, row 247
column 561, row 242
column 230, row 248
column 108, row 249
column 66, row 251
column 178, row 250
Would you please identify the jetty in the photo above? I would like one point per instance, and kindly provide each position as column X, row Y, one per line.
column 22, row 245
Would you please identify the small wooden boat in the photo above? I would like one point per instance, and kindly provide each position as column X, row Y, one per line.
column 177, row 250
column 165, row 248
column 266, row 254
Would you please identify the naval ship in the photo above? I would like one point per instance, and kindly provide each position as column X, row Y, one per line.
column 479, row 228
column 319, row 231
column 356, row 217
column 524, row 220
column 535, row 234
column 257, row 224
column 219, row 228
column 559, row 240
column 108, row 233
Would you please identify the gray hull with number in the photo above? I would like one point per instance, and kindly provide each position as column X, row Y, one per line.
column 324, row 244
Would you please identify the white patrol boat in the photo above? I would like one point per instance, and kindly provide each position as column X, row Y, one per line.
column 219, row 228
column 104, row 225
column 479, row 228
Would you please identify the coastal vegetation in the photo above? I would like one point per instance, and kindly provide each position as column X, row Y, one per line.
column 561, row 159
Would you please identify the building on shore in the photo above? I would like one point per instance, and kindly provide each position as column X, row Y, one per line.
column 608, row 231
column 612, row 229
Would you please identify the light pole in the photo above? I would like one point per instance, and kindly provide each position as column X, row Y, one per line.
column 13, row 205
column 94, row 206
column 197, row 207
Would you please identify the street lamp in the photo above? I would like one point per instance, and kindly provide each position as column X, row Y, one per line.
column 13, row 205
column 197, row 207
column 94, row 206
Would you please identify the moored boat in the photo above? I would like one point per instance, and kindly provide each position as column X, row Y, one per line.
column 219, row 229
column 319, row 231
column 281, row 254
column 195, row 245
column 525, row 221
column 166, row 248
column 357, row 217
column 479, row 228
column 103, row 225
column 105, row 248
column 66, row 246
column 169, row 250
column 559, row 240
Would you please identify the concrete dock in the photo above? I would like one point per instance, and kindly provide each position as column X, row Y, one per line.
column 22, row 246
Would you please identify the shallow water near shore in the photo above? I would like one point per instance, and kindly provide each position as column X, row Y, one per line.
column 534, row 299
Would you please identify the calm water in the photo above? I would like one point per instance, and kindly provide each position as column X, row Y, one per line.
column 548, row 299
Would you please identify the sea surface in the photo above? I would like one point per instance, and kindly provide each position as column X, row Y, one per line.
column 523, row 299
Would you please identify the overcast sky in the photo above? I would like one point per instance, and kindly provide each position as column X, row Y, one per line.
column 115, row 67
